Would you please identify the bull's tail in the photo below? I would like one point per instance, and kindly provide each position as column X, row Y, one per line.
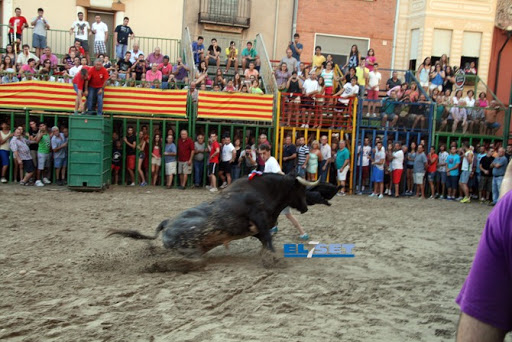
column 136, row 234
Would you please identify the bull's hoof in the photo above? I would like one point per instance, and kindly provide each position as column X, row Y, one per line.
column 269, row 259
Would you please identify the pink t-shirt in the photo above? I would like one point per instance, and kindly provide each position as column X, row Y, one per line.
column 28, row 68
column 150, row 76
column 483, row 103
column 371, row 59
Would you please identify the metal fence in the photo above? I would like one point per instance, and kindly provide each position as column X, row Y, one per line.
column 188, row 54
column 61, row 40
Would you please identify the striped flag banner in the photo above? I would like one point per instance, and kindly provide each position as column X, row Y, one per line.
column 118, row 100
column 238, row 106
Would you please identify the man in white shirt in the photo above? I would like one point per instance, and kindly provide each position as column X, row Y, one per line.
column 465, row 172
column 378, row 171
column 348, row 91
column 25, row 55
column 228, row 155
column 136, row 51
column 272, row 166
column 397, row 165
column 325, row 149
column 81, row 29
column 374, row 78
column 100, row 31
column 309, row 89
column 441, row 170
column 363, row 161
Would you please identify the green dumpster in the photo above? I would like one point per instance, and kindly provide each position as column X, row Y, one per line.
column 89, row 152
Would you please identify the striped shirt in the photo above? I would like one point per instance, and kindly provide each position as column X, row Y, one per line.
column 328, row 76
column 20, row 145
column 302, row 153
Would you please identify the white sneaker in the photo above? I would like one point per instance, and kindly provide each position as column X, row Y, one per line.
column 224, row 185
column 374, row 115
column 46, row 181
column 367, row 115
column 373, row 194
column 208, row 187
column 133, row 184
column 459, row 198
column 380, row 196
column 39, row 183
column 302, row 126
column 3, row 180
column 306, row 126
column 214, row 190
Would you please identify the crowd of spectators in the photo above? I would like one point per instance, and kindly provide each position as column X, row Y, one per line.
column 400, row 103
column 458, row 173
column 245, row 81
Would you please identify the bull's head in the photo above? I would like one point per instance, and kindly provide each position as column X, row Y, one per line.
column 298, row 195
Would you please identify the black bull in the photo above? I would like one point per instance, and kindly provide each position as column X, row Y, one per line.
column 246, row 208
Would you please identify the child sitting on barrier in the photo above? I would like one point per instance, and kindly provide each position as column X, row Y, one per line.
column 388, row 110
column 491, row 117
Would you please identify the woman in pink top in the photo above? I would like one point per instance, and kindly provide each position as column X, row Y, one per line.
column 370, row 59
column 29, row 68
column 153, row 74
column 156, row 160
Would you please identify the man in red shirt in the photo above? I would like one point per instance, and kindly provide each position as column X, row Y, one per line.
column 185, row 157
column 165, row 68
column 432, row 159
column 19, row 23
column 214, row 162
column 98, row 77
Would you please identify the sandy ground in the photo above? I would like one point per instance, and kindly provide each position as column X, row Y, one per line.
column 62, row 280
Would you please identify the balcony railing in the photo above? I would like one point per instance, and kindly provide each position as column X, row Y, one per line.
column 225, row 12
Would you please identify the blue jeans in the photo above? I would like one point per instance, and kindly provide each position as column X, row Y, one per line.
column 496, row 185
column 121, row 50
column 94, row 98
column 301, row 172
column 323, row 173
column 235, row 172
column 198, row 172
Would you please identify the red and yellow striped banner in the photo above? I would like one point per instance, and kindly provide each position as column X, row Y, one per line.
column 238, row 106
column 119, row 100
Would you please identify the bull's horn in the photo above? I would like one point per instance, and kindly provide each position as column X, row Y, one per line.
column 307, row 183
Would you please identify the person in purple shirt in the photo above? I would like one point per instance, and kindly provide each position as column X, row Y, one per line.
column 48, row 55
column 155, row 57
column 485, row 299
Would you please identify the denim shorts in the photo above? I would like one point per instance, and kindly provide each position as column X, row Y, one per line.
column 59, row 162
column 38, row 41
column 464, row 177
column 441, row 176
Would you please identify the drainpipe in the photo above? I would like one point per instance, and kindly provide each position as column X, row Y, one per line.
column 394, row 34
column 294, row 18
column 275, row 30
column 509, row 34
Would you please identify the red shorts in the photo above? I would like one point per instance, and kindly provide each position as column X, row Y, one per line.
column 116, row 167
column 328, row 90
column 366, row 172
column 372, row 94
column 130, row 162
column 397, row 175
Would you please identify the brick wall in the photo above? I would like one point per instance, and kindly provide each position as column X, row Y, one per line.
column 357, row 18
